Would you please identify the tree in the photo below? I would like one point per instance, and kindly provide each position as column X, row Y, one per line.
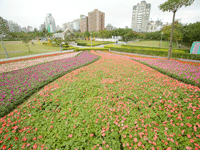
column 173, row 5
column 87, row 34
column 26, row 39
column 177, row 35
column 4, row 30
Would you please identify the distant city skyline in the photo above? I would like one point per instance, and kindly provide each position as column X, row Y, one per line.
column 118, row 13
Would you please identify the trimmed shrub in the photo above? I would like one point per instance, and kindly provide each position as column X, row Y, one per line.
column 90, row 48
column 156, row 48
column 157, row 53
column 82, row 44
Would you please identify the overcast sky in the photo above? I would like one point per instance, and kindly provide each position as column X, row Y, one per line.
column 117, row 12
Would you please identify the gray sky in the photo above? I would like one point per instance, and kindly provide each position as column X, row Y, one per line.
column 117, row 12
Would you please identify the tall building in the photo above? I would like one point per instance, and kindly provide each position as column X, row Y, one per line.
column 50, row 23
column 24, row 29
column 14, row 27
column 83, row 23
column 30, row 29
column 140, row 17
column 76, row 24
column 42, row 26
column 96, row 20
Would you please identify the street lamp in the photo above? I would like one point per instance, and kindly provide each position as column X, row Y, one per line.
column 91, row 38
column 161, row 38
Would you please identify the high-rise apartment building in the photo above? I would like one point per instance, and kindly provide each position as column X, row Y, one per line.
column 83, row 23
column 14, row 27
column 50, row 23
column 140, row 17
column 96, row 20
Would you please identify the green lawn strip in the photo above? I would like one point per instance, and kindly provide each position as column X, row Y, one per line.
column 152, row 43
column 21, row 98
column 20, row 49
column 156, row 53
column 75, row 111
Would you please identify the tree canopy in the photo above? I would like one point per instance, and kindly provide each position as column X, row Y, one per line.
column 174, row 5
column 4, row 29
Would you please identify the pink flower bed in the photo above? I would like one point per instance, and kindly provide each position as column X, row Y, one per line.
column 27, row 63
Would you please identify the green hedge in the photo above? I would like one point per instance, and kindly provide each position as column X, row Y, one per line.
column 157, row 53
column 90, row 48
column 82, row 44
column 155, row 48
column 69, row 48
column 65, row 45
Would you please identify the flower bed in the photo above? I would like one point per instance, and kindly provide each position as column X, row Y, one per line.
column 6, row 67
column 114, row 103
column 18, row 85
column 35, row 57
column 187, row 72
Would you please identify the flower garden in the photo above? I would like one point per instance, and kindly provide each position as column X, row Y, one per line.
column 113, row 103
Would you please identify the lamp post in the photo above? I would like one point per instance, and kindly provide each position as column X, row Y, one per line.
column 161, row 38
column 91, row 38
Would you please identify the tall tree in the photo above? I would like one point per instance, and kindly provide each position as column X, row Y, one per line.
column 177, row 35
column 4, row 30
column 26, row 39
column 173, row 5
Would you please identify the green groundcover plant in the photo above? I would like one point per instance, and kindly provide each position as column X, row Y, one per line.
column 19, row 84
column 114, row 103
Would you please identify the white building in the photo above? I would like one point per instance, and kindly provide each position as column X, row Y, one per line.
column 154, row 26
column 14, row 27
column 140, row 17
column 30, row 29
column 62, row 35
column 109, row 27
column 24, row 29
column 50, row 23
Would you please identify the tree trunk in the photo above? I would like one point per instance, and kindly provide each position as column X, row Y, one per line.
column 28, row 47
column 4, row 48
column 170, row 47
column 177, row 44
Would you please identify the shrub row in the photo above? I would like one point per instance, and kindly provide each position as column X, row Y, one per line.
column 156, row 48
column 157, row 53
column 89, row 48
column 82, row 44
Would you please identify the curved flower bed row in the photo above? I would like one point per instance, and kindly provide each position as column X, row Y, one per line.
column 186, row 72
column 19, row 84
column 35, row 57
column 6, row 67
column 114, row 103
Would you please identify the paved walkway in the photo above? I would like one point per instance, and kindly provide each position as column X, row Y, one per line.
column 29, row 56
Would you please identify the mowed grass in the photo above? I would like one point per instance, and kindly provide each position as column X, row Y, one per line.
column 164, row 44
column 18, row 48
column 114, row 103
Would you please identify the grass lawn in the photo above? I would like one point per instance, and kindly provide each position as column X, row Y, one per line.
column 18, row 48
column 164, row 44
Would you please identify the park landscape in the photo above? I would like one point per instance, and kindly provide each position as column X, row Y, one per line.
column 96, row 99
column 101, row 98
